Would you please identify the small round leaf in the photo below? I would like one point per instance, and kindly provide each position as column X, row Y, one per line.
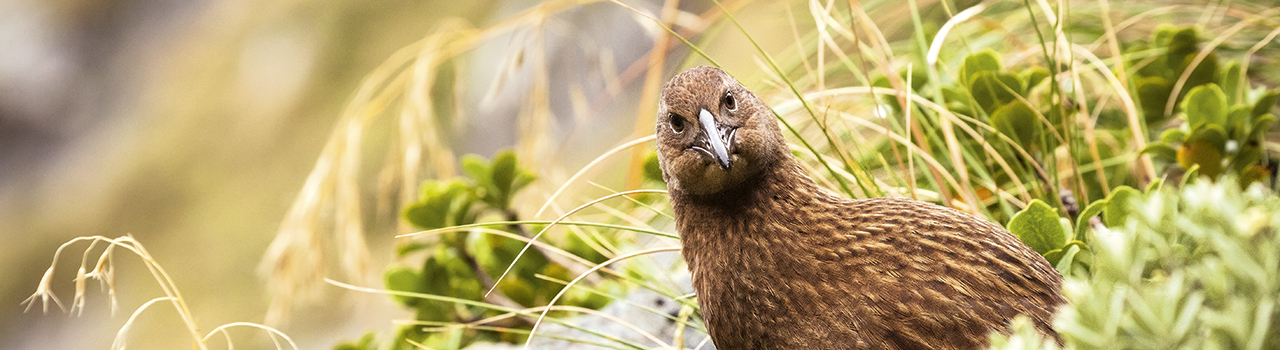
column 1038, row 226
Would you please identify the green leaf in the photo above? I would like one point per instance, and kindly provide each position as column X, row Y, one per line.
column 503, row 174
column 1037, row 225
column 1184, row 41
column 403, row 279
column 1205, row 105
column 957, row 97
column 1053, row 256
column 411, row 247
column 445, row 273
column 1212, row 134
column 1082, row 221
column 1156, row 68
column 1261, row 124
column 1190, row 176
column 1017, row 121
column 497, row 182
column 918, row 78
column 1119, row 205
column 989, row 89
column 366, row 342
column 1237, row 119
column 1203, row 152
column 1034, row 76
column 1231, row 81
column 1245, row 158
column 441, row 204
column 495, row 253
column 476, row 168
column 1205, row 73
column 1173, row 136
column 1265, row 103
column 1153, row 92
column 1253, row 173
column 1064, row 263
column 982, row 61
column 1160, row 37
column 1154, row 186
column 1160, row 150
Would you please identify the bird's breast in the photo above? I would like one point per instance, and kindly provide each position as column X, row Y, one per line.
column 764, row 277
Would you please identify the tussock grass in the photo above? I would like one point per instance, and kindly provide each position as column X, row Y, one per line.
column 104, row 271
column 330, row 199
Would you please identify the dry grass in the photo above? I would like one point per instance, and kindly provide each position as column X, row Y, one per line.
column 104, row 271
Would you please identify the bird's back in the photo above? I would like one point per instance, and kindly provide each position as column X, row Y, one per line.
column 884, row 273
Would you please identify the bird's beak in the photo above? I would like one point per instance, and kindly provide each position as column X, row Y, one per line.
column 718, row 137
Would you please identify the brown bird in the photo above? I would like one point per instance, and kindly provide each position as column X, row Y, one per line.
column 781, row 263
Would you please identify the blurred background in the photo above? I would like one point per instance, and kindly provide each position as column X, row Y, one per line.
column 192, row 125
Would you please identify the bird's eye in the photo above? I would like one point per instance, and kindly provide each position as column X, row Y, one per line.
column 677, row 123
column 729, row 102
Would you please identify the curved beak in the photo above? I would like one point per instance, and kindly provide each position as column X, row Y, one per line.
column 716, row 139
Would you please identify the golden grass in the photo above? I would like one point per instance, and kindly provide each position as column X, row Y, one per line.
column 104, row 271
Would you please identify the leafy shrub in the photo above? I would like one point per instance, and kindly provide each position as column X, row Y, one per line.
column 1192, row 269
column 466, row 264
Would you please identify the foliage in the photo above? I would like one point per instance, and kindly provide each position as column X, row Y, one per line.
column 1218, row 134
column 1173, row 50
column 1040, row 228
column 1223, row 123
column 1195, row 268
column 456, row 263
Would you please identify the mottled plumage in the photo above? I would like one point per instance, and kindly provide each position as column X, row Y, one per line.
column 780, row 263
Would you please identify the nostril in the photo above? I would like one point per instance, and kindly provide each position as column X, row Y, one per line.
column 728, row 138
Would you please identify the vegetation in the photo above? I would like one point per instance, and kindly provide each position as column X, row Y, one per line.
column 1137, row 158
column 103, row 270
column 1194, row 268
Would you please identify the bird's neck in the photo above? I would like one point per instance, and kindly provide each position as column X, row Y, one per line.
column 744, row 219
column 776, row 186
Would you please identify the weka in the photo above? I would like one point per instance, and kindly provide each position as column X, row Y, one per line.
column 781, row 263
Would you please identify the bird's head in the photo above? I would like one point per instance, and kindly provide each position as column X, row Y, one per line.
column 713, row 133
